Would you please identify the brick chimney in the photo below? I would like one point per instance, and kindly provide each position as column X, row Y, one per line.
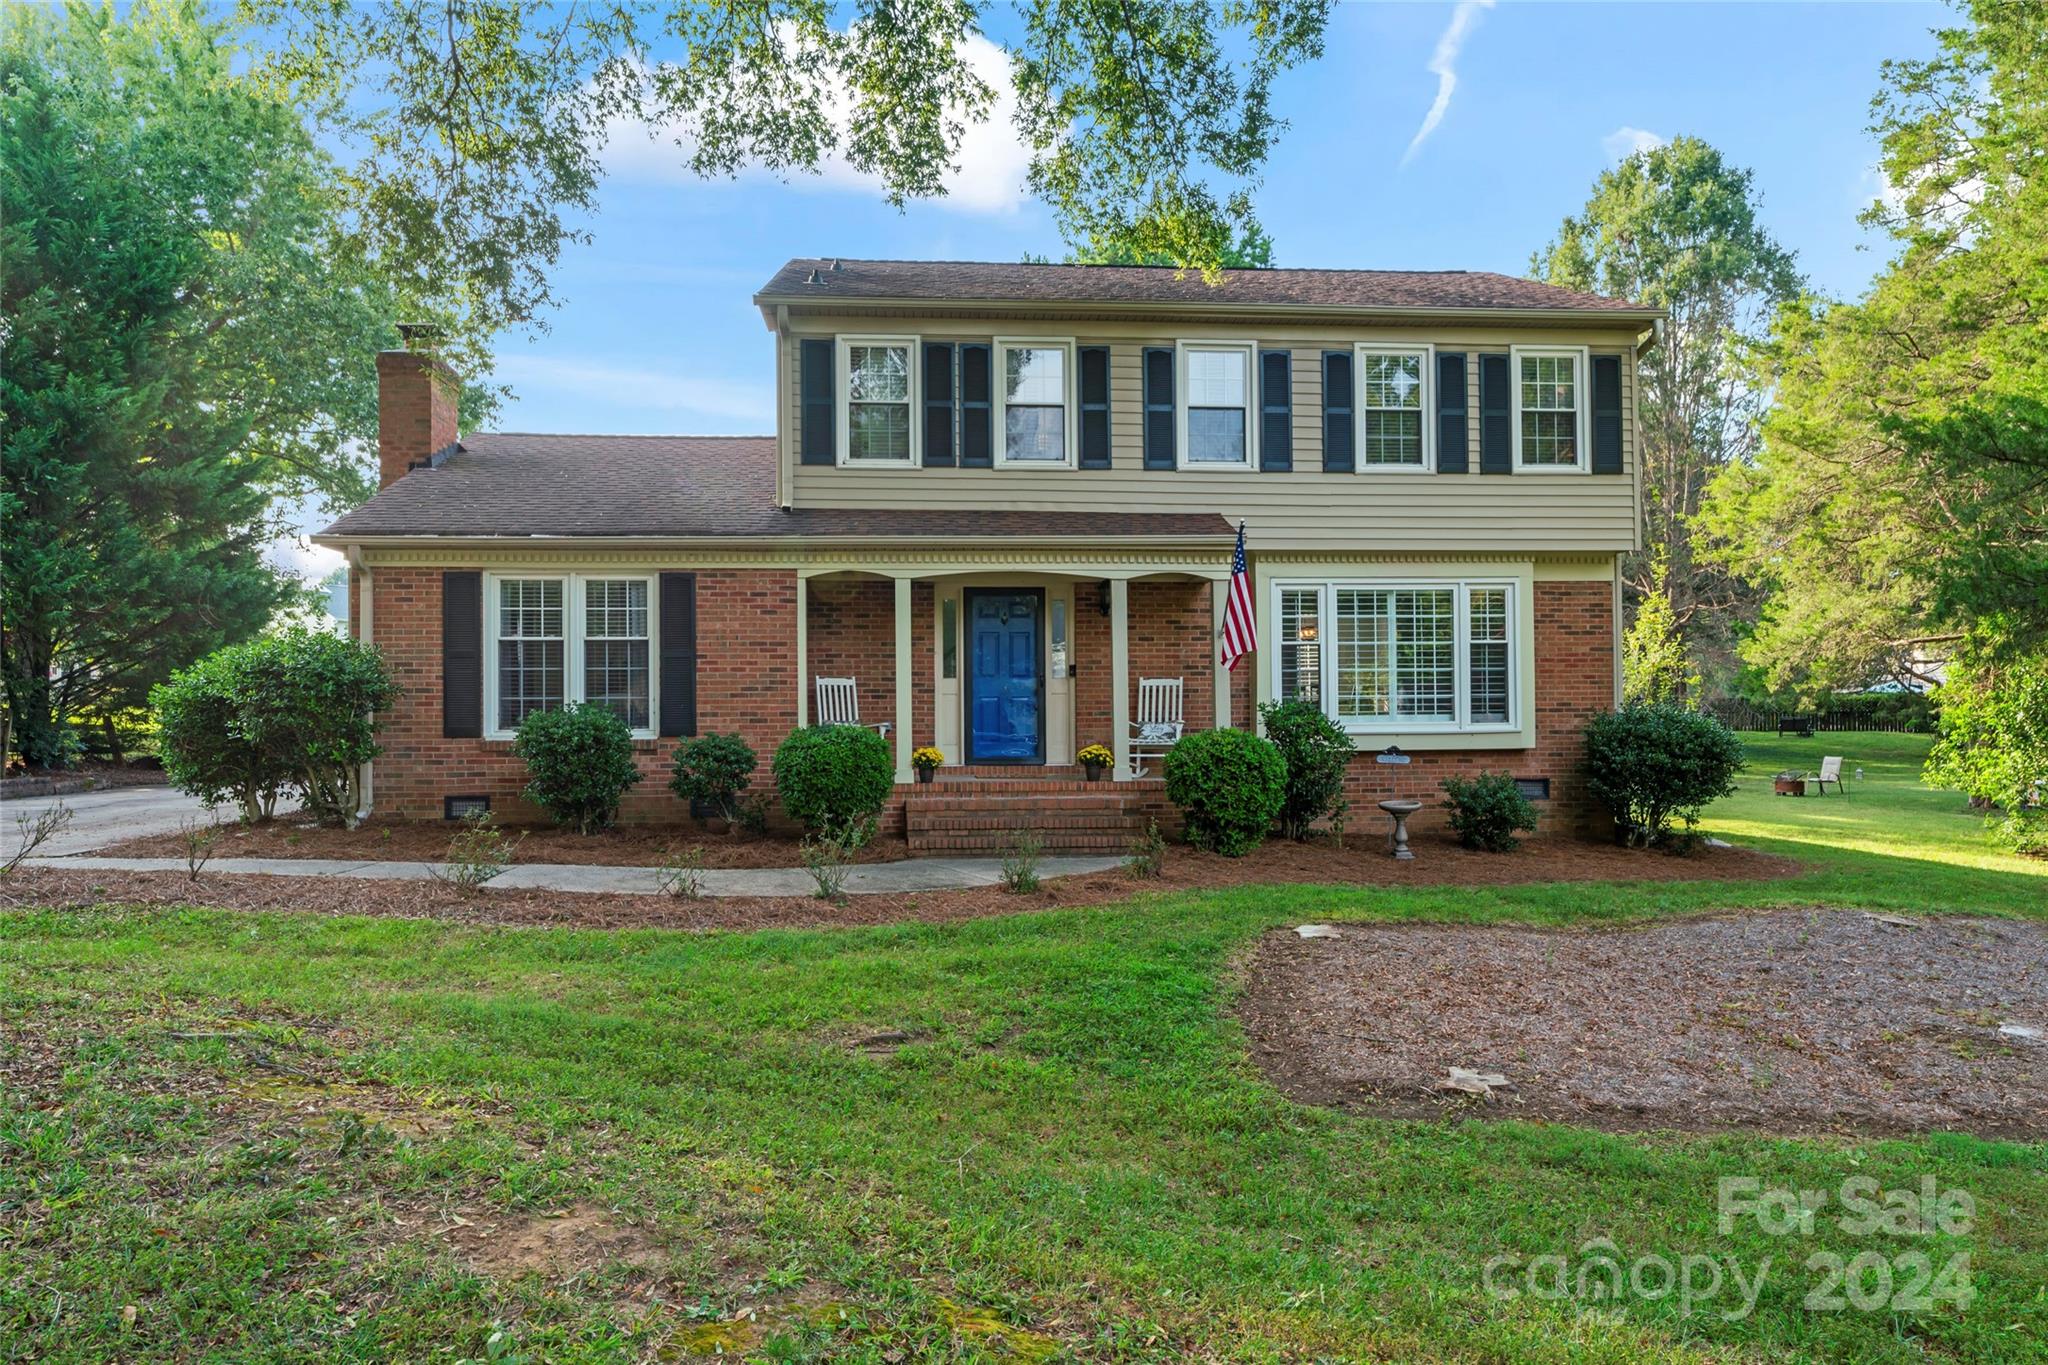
column 416, row 399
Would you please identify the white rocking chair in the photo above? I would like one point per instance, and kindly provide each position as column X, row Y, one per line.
column 839, row 704
column 1158, row 726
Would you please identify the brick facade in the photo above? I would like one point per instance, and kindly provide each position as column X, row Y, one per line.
column 746, row 628
column 747, row 684
column 1575, row 677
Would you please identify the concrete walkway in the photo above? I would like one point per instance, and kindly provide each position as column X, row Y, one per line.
column 867, row 879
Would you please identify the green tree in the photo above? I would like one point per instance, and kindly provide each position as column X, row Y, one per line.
column 189, row 338
column 1678, row 227
column 1654, row 667
column 480, row 123
column 1898, row 510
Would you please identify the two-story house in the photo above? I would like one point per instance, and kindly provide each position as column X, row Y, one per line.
column 998, row 497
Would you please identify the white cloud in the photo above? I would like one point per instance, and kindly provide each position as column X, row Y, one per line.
column 988, row 175
column 1443, row 64
column 751, row 405
column 1624, row 142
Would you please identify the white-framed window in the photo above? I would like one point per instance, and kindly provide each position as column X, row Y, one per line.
column 878, row 392
column 1399, row 655
column 1396, row 399
column 1550, row 424
column 1034, row 402
column 1217, row 430
column 553, row 639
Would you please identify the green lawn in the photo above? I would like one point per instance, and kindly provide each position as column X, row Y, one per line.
column 1073, row 1158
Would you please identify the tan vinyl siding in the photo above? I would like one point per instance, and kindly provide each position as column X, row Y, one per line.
column 1302, row 510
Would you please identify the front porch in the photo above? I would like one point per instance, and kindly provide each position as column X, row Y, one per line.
column 1010, row 669
column 983, row 810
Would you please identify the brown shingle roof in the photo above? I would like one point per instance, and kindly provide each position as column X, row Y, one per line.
column 958, row 282
column 513, row 484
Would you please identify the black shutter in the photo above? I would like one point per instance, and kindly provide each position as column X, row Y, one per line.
column 1606, row 414
column 1451, row 455
column 1158, row 381
column 938, row 404
column 1095, row 407
column 1276, row 411
column 819, row 438
column 1496, row 425
column 462, row 654
column 977, row 439
column 678, row 654
column 1339, row 432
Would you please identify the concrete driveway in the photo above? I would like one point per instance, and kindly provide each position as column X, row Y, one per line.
column 108, row 817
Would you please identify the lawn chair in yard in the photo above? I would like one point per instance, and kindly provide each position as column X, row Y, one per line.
column 1158, row 726
column 1830, row 771
column 839, row 704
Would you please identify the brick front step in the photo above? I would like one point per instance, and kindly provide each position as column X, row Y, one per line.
column 987, row 817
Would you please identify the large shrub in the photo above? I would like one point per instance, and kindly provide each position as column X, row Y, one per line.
column 1993, row 747
column 1229, row 785
column 579, row 763
column 1653, row 763
column 833, row 779
column 1487, row 810
column 206, row 749
column 1317, row 752
column 293, row 711
column 713, row 769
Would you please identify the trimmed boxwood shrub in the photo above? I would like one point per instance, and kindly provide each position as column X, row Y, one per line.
column 713, row 769
column 834, row 779
column 1487, row 810
column 1229, row 785
column 1317, row 752
column 579, row 764
column 295, row 712
column 1652, row 763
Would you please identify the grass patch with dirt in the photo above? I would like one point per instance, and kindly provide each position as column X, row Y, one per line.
column 1061, row 1150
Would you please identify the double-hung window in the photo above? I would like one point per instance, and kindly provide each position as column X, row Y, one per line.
column 1550, row 409
column 565, row 638
column 1036, row 395
column 1399, row 656
column 878, row 384
column 1393, row 386
column 1216, row 428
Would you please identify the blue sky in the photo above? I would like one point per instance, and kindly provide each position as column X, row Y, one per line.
column 656, row 334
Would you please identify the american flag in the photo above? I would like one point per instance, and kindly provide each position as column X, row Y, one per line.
column 1240, row 631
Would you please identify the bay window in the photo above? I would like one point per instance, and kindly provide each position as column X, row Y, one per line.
column 1215, row 405
column 1549, row 400
column 877, row 379
column 1035, row 378
column 1394, row 428
column 553, row 640
column 1400, row 656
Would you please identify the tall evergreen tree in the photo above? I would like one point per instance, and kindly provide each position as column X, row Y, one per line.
column 189, row 337
column 1898, row 511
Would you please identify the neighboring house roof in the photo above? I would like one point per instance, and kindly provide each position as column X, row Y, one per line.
column 825, row 280
column 514, row 485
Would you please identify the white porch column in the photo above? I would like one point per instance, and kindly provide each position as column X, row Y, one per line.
column 903, row 682
column 1120, row 676
column 1219, row 596
column 803, row 651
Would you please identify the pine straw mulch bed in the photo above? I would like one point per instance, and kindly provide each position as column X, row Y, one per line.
column 1802, row 1021
column 1440, row 862
column 426, row 841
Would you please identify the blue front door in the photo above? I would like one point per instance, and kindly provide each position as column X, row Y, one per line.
column 1005, row 686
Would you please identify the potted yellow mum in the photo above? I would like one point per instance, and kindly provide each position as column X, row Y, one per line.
column 1095, row 759
column 926, row 760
